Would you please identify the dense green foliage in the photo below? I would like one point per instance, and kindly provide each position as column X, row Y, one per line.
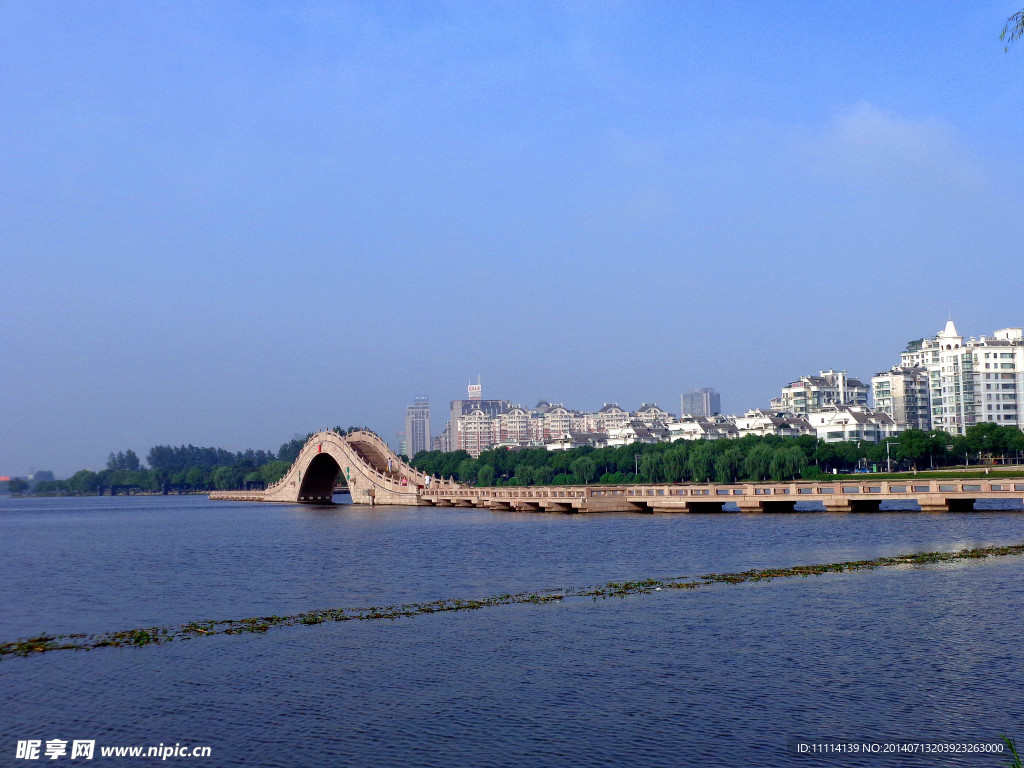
column 185, row 457
column 722, row 461
column 178, row 469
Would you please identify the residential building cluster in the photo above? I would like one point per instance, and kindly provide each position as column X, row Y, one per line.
column 946, row 383
column 952, row 383
column 475, row 424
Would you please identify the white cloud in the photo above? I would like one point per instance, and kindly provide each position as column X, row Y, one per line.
column 866, row 145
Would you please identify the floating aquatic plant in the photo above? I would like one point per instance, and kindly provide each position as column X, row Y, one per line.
column 1012, row 746
column 156, row 635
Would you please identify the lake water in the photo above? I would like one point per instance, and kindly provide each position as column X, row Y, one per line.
column 723, row 675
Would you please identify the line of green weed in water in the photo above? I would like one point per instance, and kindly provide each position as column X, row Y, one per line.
column 157, row 635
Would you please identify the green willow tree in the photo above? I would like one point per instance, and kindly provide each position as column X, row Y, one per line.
column 1013, row 30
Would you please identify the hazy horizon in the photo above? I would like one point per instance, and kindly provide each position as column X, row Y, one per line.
column 227, row 224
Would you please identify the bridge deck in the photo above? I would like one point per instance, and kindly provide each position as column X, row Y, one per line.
column 841, row 496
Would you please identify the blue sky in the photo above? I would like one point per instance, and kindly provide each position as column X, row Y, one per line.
column 226, row 223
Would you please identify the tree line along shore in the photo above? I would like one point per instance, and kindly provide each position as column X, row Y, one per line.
column 751, row 458
column 173, row 469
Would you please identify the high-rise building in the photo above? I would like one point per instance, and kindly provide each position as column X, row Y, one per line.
column 814, row 393
column 971, row 381
column 417, row 426
column 701, row 402
column 468, row 427
column 903, row 393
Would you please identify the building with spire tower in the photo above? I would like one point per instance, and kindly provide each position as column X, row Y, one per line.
column 957, row 382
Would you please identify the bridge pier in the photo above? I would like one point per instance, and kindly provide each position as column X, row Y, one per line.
column 704, row 507
column 960, row 505
column 639, row 505
column 864, row 505
column 765, row 505
column 558, row 506
column 675, row 507
column 936, row 503
column 837, row 505
column 527, row 506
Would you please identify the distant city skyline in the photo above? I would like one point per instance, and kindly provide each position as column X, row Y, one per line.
column 243, row 222
column 418, row 413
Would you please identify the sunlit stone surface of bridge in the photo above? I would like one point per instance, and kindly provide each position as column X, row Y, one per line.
column 373, row 472
column 375, row 475
column 849, row 495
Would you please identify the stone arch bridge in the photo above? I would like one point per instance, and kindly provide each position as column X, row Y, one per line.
column 373, row 472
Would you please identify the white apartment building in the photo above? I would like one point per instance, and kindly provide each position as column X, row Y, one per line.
column 783, row 424
column 701, row 428
column 650, row 413
column 812, row 393
column 516, row 426
column 608, row 417
column 904, row 393
column 851, row 423
column 572, row 440
column 557, row 420
column 971, row 381
column 476, row 432
column 637, row 432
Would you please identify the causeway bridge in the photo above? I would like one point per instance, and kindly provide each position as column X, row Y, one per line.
column 375, row 475
column 847, row 495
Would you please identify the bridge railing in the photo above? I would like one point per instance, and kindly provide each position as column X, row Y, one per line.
column 908, row 488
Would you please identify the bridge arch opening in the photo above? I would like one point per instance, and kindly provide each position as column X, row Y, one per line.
column 318, row 478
